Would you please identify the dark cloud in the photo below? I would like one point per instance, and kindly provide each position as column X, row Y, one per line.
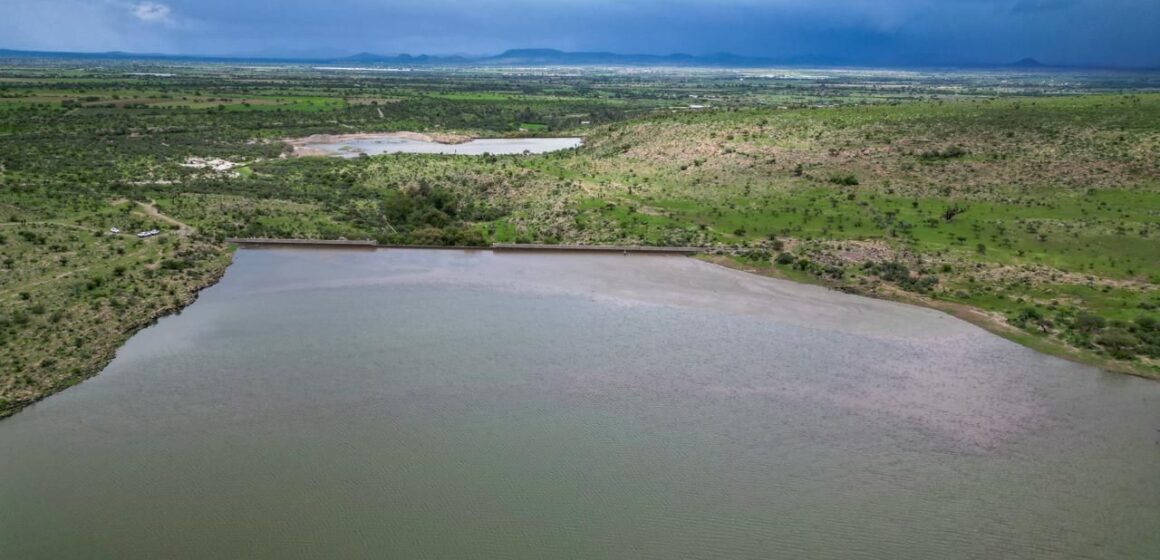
column 1039, row 6
column 1115, row 32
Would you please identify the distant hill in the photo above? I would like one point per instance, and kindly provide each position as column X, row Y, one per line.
column 514, row 57
column 117, row 55
column 538, row 57
column 405, row 59
column 562, row 58
column 1029, row 63
column 553, row 57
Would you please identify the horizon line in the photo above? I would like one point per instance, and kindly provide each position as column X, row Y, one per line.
column 1026, row 63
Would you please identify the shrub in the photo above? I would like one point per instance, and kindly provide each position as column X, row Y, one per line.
column 427, row 236
column 844, row 180
column 1028, row 316
column 755, row 256
column 951, row 211
column 892, row 271
column 1147, row 323
column 1118, row 342
column 1089, row 323
column 949, row 153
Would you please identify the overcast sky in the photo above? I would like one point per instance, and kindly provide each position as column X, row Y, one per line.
column 1102, row 32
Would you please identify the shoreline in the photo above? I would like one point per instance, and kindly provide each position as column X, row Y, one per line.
column 300, row 146
column 973, row 315
column 306, row 146
column 108, row 352
column 528, row 247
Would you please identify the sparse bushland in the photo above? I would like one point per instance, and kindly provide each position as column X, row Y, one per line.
column 72, row 292
column 1035, row 212
column 1034, row 216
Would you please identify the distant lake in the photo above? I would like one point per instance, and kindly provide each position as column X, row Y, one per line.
column 390, row 144
column 443, row 404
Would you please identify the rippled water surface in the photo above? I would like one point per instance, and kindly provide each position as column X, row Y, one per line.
column 426, row 404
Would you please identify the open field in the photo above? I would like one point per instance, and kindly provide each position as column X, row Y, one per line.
column 1029, row 203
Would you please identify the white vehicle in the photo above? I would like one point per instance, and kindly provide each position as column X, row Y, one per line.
column 114, row 230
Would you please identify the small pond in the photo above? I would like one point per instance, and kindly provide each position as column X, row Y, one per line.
column 393, row 144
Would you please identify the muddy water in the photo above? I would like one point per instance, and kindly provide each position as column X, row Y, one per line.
column 419, row 404
column 388, row 144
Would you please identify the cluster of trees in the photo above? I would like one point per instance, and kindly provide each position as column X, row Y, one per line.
column 1123, row 340
column 427, row 215
column 898, row 273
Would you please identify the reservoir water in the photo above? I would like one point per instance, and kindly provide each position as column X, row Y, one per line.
column 392, row 144
column 441, row 404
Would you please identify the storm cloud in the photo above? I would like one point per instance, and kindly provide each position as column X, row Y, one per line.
column 1095, row 32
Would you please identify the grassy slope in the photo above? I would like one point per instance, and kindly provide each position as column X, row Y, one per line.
column 1059, row 201
column 72, row 293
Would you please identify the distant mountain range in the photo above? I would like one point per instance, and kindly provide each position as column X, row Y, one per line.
column 532, row 58
column 552, row 57
column 1028, row 63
